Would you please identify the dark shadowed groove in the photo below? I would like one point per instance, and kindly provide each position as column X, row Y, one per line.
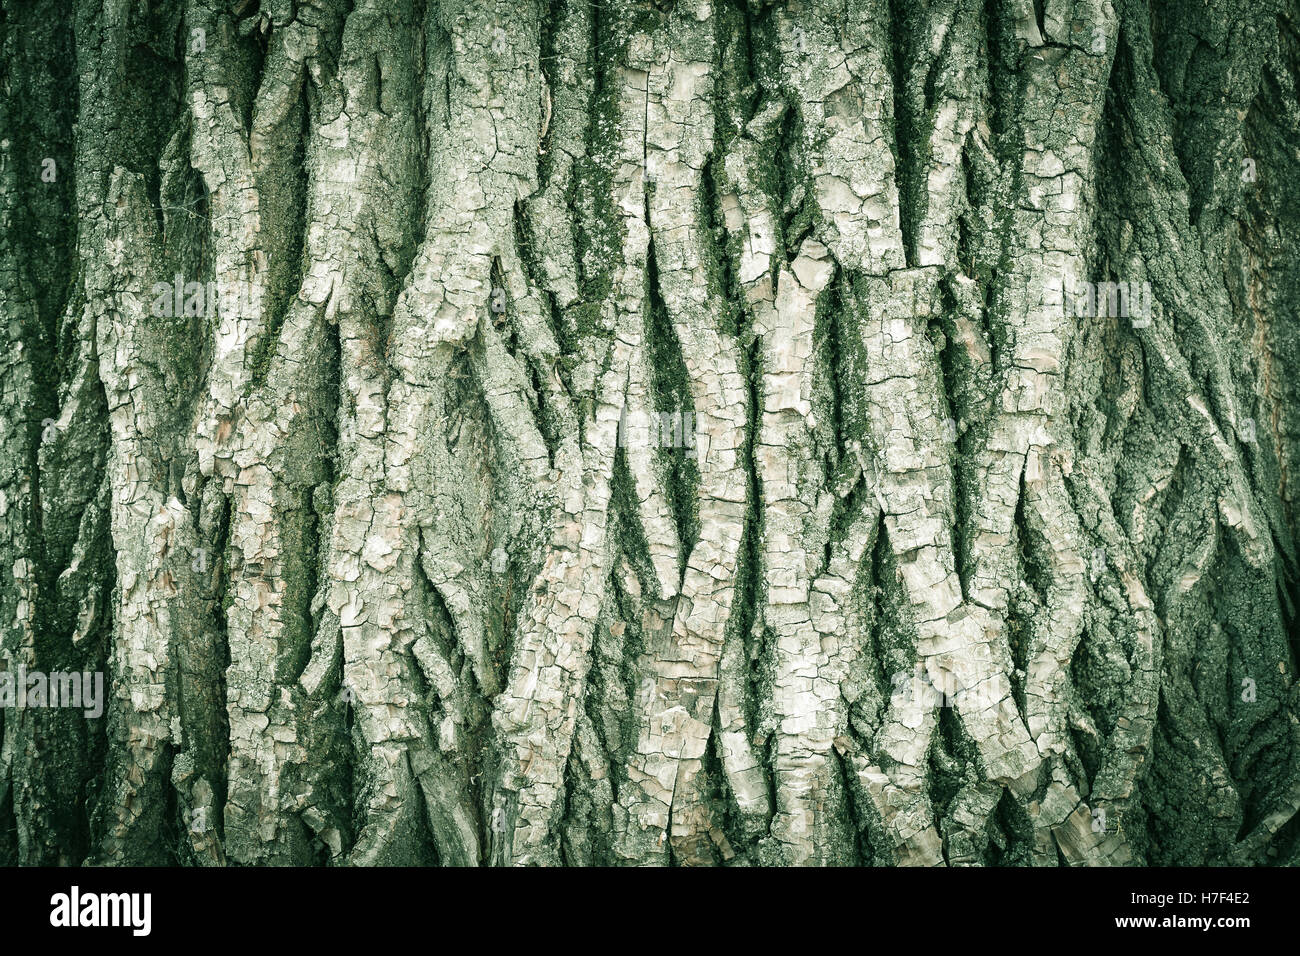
column 671, row 392
column 905, row 50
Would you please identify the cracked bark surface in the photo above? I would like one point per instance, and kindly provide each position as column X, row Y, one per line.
column 651, row 433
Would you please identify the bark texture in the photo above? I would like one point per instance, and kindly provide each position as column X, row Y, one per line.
column 698, row 432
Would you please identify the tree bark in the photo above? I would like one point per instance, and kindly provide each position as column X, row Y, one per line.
column 700, row 432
